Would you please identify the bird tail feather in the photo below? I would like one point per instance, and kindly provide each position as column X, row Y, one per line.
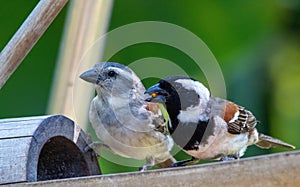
column 267, row 142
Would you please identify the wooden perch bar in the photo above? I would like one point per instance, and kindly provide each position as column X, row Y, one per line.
column 27, row 35
column 281, row 169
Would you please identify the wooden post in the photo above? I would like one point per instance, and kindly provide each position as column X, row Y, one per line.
column 27, row 35
column 43, row 148
column 86, row 22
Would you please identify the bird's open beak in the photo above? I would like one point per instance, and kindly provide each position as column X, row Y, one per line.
column 90, row 76
column 158, row 95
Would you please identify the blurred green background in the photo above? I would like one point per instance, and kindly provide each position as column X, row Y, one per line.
column 257, row 44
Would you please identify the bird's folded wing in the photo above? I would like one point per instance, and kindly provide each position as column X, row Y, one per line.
column 238, row 119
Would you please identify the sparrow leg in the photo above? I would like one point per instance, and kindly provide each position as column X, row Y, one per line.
column 191, row 161
column 230, row 158
column 148, row 165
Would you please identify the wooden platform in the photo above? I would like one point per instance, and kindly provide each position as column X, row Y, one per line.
column 281, row 169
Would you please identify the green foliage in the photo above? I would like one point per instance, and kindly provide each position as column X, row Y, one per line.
column 27, row 91
column 285, row 75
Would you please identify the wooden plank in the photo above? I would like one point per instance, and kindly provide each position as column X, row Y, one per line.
column 270, row 170
column 19, row 127
column 13, row 159
column 8, row 120
column 27, row 35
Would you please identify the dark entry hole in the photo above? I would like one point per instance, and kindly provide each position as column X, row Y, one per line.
column 60, row 158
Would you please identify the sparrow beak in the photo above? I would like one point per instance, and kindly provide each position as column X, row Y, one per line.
column 90, row 76
column 158, row 94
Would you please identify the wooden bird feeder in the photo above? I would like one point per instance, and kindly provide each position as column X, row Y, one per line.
column 43, row 148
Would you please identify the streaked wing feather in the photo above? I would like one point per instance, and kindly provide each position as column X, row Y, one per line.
column 239, row 119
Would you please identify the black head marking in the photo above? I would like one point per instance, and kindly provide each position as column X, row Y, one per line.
column 188, row 98
column 194, row 134
column 178, row 98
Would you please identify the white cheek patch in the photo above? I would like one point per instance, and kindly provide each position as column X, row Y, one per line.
column 200, row 89
column 193, row 114
column 190, row 115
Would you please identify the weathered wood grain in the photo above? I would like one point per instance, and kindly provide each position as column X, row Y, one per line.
column 13, row 159
column 270, row 170
column 19, row 127
column 27, row 35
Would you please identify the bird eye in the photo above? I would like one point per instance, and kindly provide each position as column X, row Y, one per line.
column 111, row 73
column 153, row 95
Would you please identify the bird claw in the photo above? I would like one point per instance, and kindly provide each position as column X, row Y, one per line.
column 146, row 166
column 178, row 164
column 143, row 168
column 87, row 148
column 95, row 148
column 229, row 158
column 90, row 148
column 181, row 163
